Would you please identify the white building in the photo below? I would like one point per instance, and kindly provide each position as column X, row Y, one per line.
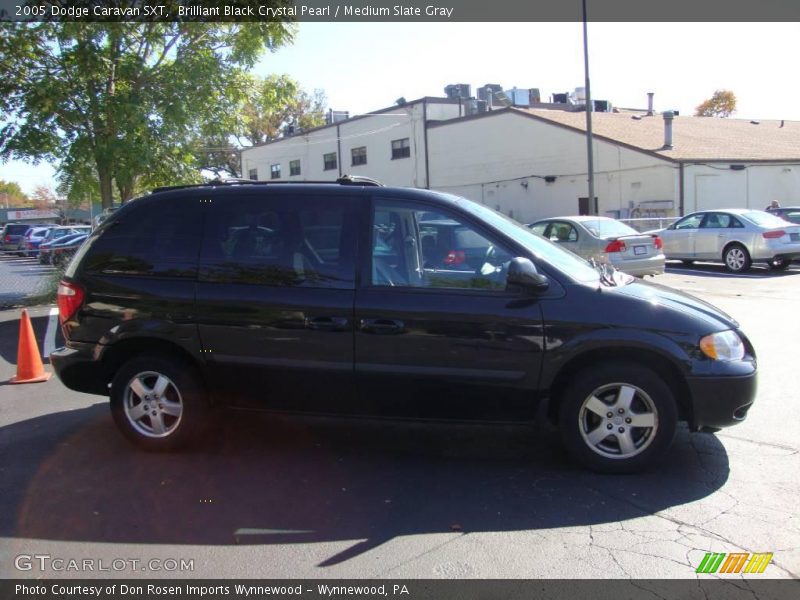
column 387, row 145
column 531, row 163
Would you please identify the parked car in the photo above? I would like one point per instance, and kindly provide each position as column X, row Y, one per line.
column 788, row 213
column 47, row 250
column 32, row 239
column 738, row 237
column 63, row 250
column 56, row 234
column 317, row 298
column 12, row 236
column 605, row 240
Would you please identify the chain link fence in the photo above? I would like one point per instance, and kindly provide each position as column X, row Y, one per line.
column 24, row 281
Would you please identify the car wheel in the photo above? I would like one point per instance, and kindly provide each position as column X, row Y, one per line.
column 736, row 258
column 158, row 402
column 617, row 417
column 780, row 264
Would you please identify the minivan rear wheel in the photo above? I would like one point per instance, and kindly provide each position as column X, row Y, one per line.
column 158, row 402
column 617, row 417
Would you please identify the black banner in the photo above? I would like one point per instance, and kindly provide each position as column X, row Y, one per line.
column 222, row 589
column 399, row 10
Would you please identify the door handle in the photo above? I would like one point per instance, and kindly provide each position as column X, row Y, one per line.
column 382, row 326
column 327, row 323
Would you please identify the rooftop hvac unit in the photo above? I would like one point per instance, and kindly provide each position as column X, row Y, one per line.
column 601, row 105
column 483, row 106
column 579, row 95
column 534, row 96
column 518, row 97
column 335, row 116
column 560, row 98
column 487, row 90
column 470, row 106
column 500, row 99
column 458, row 90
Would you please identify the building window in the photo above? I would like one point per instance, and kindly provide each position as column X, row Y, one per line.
column 275, row 171
column 253, row 174
column 330, row 161
column 294, row 167
column 359, row 155
column 401, row 148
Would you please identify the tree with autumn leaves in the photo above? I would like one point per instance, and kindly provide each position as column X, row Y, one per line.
column 721, row 104
column 119, row 107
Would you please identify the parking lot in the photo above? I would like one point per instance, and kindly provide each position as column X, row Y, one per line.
column 275, row 497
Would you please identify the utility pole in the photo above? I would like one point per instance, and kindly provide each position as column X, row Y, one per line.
column 589, row 153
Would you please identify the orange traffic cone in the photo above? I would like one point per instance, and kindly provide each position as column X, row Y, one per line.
column 29, row 361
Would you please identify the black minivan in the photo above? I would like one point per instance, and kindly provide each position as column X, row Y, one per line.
column 340, row 299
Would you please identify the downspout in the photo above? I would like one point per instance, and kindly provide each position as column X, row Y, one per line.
column 339, row 149
column 680, row 188
column 425, row 137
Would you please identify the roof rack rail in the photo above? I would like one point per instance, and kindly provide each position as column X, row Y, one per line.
column 343, row 180
column 357, row 180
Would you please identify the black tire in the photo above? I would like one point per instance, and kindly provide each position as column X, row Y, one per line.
column 609, row 383
column 736, row 258
column 165, row 431
column 780, row 264
column 688, row 263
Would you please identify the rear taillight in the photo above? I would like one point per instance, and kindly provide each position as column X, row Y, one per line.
column 455, row 257
column 771, row 235
column 616, row 246
column 658, row 243
column 70, row 297
column 8, row 238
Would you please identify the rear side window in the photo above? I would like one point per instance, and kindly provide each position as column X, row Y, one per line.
column 15, row 229
column 160, row 238
column 281, row 241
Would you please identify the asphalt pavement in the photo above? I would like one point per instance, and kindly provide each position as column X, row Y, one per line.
column 276, row 497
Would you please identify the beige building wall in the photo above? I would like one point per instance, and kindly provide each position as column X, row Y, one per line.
column 502, row 160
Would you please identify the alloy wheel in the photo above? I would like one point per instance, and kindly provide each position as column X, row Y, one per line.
column 618, row 420
column 153, row 404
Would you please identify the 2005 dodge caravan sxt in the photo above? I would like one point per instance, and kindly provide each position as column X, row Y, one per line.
column 355, row 299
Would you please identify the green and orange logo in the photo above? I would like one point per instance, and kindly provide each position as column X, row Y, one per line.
column 734, row 562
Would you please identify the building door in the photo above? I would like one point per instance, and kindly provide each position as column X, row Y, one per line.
column 584, row 208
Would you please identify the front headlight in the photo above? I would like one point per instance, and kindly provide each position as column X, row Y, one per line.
column 725, row 346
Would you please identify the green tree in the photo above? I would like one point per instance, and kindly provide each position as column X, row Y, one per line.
column 721, row 104
column 12, row 195
column 120, row 104
column 268, row 106
column 274, row 103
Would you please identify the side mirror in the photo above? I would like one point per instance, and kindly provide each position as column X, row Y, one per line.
column 522, row 274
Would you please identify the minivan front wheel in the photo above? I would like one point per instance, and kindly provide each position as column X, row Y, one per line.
column 158, row 402
column 617, row 417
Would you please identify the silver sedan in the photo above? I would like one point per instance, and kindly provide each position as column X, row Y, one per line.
column 738, row 237
column 605, row 240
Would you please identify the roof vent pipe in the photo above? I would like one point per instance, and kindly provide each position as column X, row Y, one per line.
column 650, row 104
column 668, row 116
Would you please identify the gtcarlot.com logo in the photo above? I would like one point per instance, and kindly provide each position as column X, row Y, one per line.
column 46, row 562
column 734, row 562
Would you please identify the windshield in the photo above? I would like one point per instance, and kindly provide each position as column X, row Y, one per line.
column 604, row 228
column 563, row 260
column 763, row 219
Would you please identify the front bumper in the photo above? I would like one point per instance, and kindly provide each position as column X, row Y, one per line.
column 721, row 401
column 78, row 369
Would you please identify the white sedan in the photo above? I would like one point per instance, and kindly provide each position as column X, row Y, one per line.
column 737, row 237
